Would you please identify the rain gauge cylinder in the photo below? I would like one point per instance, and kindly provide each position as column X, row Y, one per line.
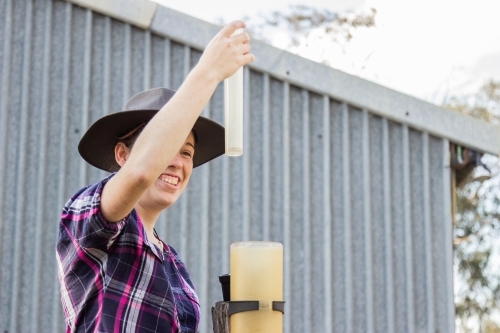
column 233, row 111
column 256, row 270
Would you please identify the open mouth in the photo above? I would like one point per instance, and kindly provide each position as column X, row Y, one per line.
column 172, row 180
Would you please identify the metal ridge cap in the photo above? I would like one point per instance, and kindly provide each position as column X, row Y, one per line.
column 136, row 12
column 183, row 28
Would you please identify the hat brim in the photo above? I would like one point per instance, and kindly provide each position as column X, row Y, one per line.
column 98, row 144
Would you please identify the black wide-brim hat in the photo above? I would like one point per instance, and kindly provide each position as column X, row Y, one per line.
column 97, row 145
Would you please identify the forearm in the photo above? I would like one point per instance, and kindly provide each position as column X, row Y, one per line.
column 163, row 136
column 165, row 133
column 157, row 145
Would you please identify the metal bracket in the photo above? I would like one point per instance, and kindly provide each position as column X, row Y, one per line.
column 279, row 306
column 243, row 306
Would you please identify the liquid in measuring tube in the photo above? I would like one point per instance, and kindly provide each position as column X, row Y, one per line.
column 233, row 111
column 256, row 270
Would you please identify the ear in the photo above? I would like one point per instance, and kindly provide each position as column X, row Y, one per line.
column 121, row 153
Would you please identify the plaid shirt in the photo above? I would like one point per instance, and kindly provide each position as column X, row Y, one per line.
column 113, row 279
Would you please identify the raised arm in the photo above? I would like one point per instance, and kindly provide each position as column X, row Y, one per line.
column 162, row 138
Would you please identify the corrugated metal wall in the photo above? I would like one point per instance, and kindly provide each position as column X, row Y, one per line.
column 360, row 203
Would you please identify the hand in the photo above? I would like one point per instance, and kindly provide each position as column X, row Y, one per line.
column 224, row 55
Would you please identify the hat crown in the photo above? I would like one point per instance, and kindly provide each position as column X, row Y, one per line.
column 152, row 99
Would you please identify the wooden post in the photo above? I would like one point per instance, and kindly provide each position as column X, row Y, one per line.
column 220, row 317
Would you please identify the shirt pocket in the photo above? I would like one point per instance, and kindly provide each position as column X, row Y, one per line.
column 189, row 291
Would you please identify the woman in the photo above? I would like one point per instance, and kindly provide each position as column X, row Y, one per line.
column 116, row 274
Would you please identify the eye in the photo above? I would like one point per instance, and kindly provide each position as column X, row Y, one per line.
column 187, row 153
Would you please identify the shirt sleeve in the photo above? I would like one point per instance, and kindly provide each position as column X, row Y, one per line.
column 82, row 222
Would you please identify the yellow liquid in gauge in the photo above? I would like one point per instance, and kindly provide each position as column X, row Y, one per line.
column 257, row 275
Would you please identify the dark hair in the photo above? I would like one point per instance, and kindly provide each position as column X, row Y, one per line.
column 128, row 140
column 131, row 135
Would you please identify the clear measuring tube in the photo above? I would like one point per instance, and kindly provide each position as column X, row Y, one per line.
column 233, row 111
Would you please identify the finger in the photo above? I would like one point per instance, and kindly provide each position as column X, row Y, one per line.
column 243, row 48
column 229, row 29
column 247, row 58
column 238, row 39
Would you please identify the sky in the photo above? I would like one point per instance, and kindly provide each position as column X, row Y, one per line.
column 430, row 49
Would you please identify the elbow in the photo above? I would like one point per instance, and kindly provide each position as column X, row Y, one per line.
column 140, row 178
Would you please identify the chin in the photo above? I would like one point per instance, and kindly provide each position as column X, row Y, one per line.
column 168, row 201
column 165, row 202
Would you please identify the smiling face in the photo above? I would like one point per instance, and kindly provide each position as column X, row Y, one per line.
column 173, row 180
column 170, row 183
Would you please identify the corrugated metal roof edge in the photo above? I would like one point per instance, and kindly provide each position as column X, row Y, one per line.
column 396, row 106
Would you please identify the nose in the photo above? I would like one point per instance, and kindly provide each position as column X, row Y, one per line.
column 176, row 162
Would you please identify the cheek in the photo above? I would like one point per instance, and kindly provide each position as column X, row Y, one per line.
column 188, row 169
column 187, row 177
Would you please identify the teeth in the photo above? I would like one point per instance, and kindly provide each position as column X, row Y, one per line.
column 170, row 180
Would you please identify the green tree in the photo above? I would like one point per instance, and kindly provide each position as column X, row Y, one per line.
column 477, row 225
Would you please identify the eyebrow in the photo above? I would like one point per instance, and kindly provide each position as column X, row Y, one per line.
column 189, row 144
